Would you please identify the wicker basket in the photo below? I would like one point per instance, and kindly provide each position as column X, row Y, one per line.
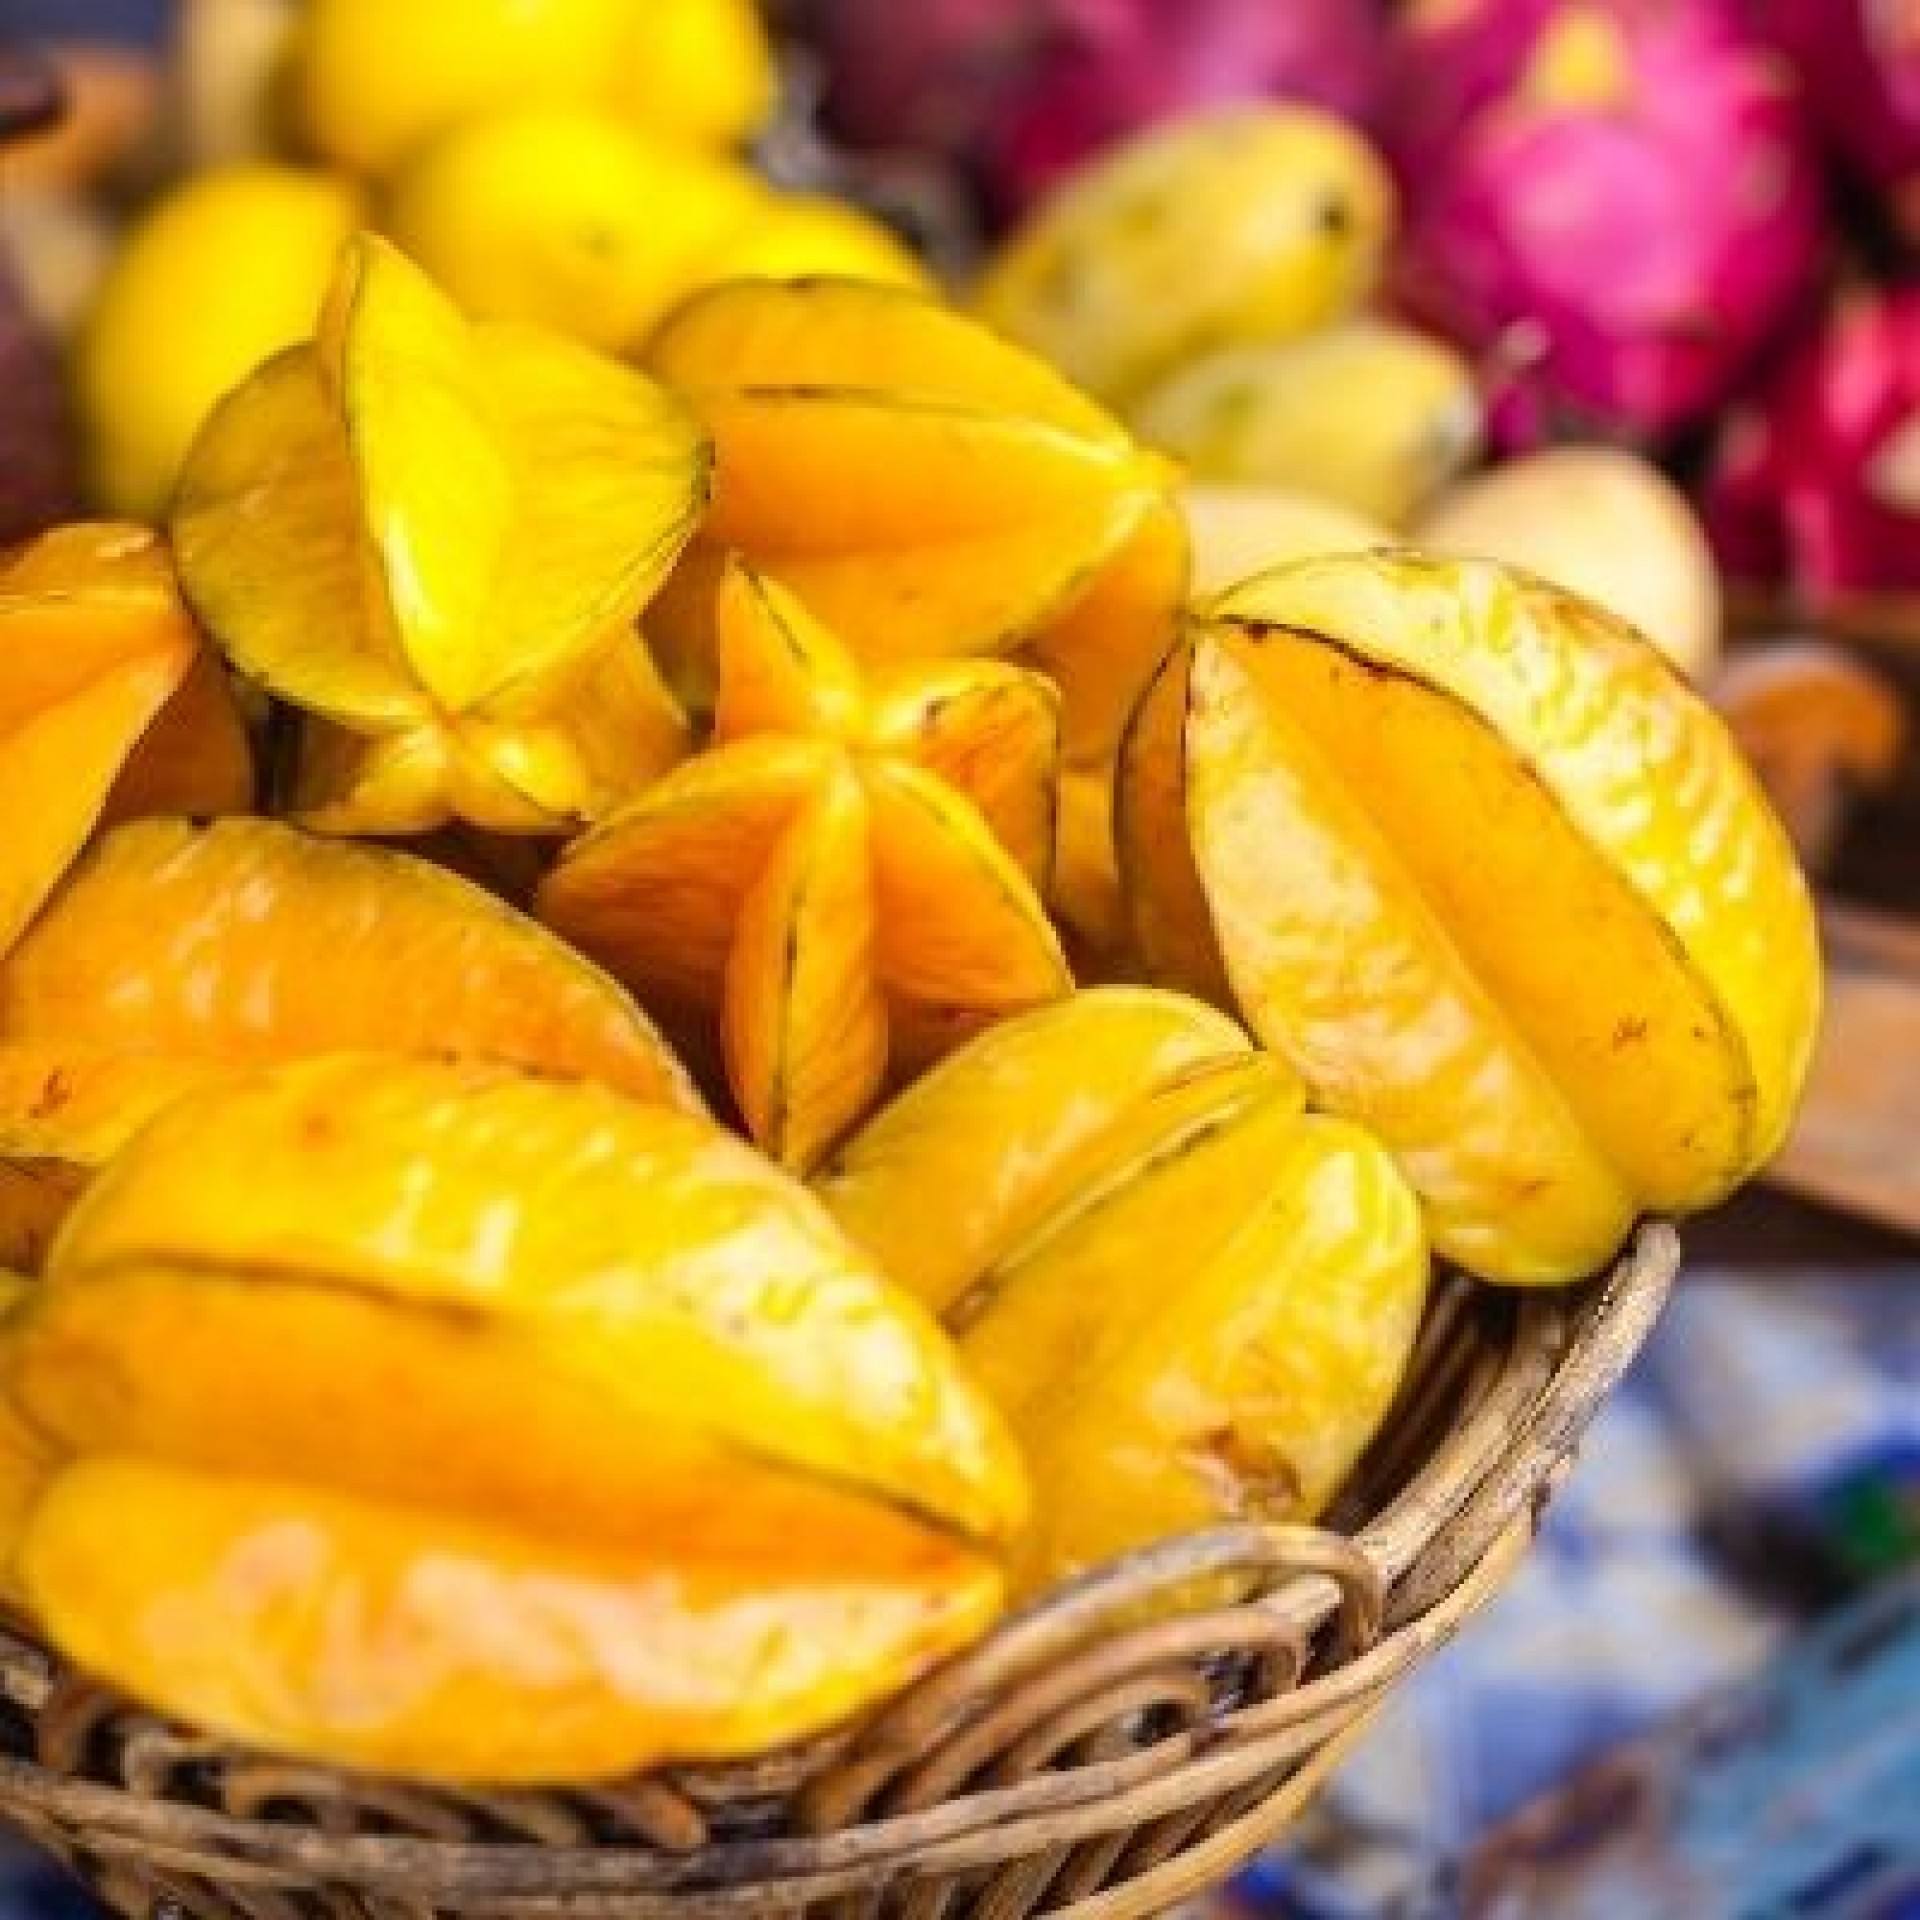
column 1106, row 1755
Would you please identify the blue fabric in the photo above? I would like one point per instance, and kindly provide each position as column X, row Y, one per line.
column 1763, row 1461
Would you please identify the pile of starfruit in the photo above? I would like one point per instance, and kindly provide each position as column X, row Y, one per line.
column 667, row 1030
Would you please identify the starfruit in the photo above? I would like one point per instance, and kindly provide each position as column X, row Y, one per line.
column 108, row 705
column 508, row 1431
column 1249, row 223
column 435, row 539
column 924, row 487
column 1239, row 1371
column 851, row 874
column 179, row 953
column 1469, row 854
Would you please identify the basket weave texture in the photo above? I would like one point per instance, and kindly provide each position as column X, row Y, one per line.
column 1107, row 1754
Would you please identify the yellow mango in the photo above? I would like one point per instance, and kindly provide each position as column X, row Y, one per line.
column 925, row 488
column 1369, row 415
column 730, row 1438
column 437, row 537
column 379, row 1638
column 100, row 687
column 850, row 876
column 1055, row 1149
column 1494, row 880
column 1247, row 223
column 180, row 954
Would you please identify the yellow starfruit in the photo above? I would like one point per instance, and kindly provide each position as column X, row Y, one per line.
column 1193, row 1301
column 926, row 488
column 852, row 873
column 179, row 954
column 1469, row 854
column 108, row 705
column 508, row 1431
column 436, row 537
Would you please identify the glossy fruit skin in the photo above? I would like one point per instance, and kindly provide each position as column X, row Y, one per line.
column 434, row 538
column 110, row 706
column 1536, row 137
column 732, row 1437
column 851, row 875
column 1077, row 1136
column 1332, row 800
column 1369, row 415
column 178, row 955
column 1249, row 223
column 1814, row 488
column 175, row 324
column 927, row 489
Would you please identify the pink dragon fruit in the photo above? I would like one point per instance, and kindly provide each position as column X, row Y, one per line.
column 1816, row 483
column 1023, row 90
column 1859, row 61
column 1615, row 203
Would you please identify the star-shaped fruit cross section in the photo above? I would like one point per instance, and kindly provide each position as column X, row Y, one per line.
column 850, row 875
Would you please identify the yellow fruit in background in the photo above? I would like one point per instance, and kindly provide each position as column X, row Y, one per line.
column 697, row 70
column 371, row 81
column 1495, row 881
column 810, row 237
column 1240, row 531
column 224, row 271
column 1252, row 223
column 567, row 217
column 1369, row 415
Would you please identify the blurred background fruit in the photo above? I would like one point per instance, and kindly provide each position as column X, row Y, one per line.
column 1023, row 91
column 568, row 217
column 228, row 63
column 1619, row 198
column 1601, row 522
column 1369, row 414
column 221, row 273
column 1859, row 62
column 1246, row 224
column 1816, row 484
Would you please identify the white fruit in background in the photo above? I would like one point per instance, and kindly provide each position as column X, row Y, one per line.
column 1604, row 523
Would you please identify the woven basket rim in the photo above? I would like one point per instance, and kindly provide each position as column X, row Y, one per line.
column 1381, row 1599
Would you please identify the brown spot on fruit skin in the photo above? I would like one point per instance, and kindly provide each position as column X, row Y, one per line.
column 1629, row 1032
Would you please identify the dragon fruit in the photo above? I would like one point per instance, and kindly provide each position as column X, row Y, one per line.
column 1859, row 61
column 1026, row 89
column 1615, row 204
column 1815, row 486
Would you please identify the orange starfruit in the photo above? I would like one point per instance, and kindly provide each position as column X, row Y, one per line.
column 852, row 873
